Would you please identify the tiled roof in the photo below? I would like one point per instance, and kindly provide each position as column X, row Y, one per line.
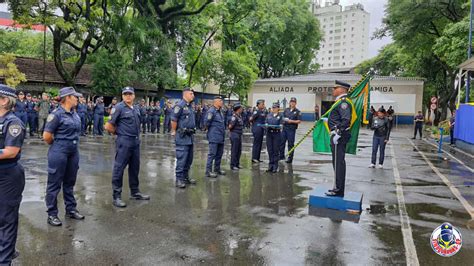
column 321, row 76
column 33, row 69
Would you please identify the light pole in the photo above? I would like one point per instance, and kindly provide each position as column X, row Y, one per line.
column 469, row 50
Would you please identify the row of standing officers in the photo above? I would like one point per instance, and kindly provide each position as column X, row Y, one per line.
column 63, row 128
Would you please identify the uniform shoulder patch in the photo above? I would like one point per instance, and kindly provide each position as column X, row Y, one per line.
column 233, row 118
column 344, row 106
column 254, row 112
column 50, row 118
column 15, row 130
column 209, row 115
column 177, row 109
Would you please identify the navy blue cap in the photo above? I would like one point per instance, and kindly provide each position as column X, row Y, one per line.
column 128, row 90
column 7, row 91
column 342, row 84
column 260, row 101
column 218, row 97
column 237, row 105
column 68, row 91
column 187, row 89
column 293, row 99
column 276, row 105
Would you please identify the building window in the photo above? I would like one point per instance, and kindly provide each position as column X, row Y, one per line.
column 329, row 64
column 329, row 58
column 330, row 52
column 324, row 19
column 344, row 29
column 324, row 26
column 352, row 29
column 343, row 63
column 330, row 31
column 322, row 65
column 342, row 57
column 353, row 14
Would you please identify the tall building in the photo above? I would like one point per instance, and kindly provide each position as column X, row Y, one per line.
column 345, row 35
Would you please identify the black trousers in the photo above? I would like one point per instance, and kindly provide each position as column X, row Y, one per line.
column 418, row 128
column 12, row 183
column 339, row 161
column 236, row 149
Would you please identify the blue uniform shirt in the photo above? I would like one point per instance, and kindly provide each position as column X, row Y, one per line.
column 294, row 114
column 274, row 120
column 20, row 106
column 126, row 120
column 99, row 109
column 214, row 122
column 183, row 114
column 30, row 107
column 237, row 124
column 12, row 134
column 81, row 109
column 340, row 117
column 258, row 116
column 63, row 125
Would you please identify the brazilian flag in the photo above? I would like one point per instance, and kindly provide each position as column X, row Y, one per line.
column 359, row 99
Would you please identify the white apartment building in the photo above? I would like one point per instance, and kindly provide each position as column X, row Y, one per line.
column 345, row 35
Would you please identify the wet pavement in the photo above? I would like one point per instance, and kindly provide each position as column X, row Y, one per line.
column 248, row 217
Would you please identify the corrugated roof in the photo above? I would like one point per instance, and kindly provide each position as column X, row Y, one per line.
column 5, row 15
column 33, row 69
column 321, row 76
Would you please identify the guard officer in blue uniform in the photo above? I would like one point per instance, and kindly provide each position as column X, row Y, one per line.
column 168, row 111
column 82, row 112
column 257, row 119
column 292, row 117
column 99, row 111
column 236, row 127
column 183, row 127
column 339, row 122
column 20, row 108
column 61, row 132
column 273, row 122
column 155, row 113
column 125, row 123
column 30, row 114
column 215, row 124
column 12, row 174
column 142, row 109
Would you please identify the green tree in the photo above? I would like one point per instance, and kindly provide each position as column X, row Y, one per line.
column 9, row 72
column 83, row 26
column 237, row 73
column 417, row 28
column 284, row 35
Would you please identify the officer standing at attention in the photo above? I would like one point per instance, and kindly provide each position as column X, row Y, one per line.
column 82, row 112
column 339, row 122
column 142, row 109
column 20, row 108
column 419, row 119
column 168, row 110
column 30, row 113
column 154, row 117
column 215, row 125
column 183, row 127
column 12, row 174
column 99, row 111
column 125, row 123
column 43, row 111
column 291, row 117
column 61, row 132
column 236, row 127
column 257, row 119
column 274, row 121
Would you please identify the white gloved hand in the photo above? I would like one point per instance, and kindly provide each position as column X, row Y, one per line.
column 335, row 138
column 286, row 119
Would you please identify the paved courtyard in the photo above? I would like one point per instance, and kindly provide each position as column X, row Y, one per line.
column 251, row 217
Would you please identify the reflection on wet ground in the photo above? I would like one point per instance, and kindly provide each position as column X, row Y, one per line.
column 246, row 217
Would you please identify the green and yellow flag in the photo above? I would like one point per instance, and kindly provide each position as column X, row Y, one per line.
column 359, row 99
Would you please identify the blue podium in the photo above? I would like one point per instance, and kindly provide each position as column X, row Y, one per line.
column 352, row 201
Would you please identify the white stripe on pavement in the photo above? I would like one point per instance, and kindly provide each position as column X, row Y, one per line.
column 452, row 156
column 448, row 183
column 410, row 249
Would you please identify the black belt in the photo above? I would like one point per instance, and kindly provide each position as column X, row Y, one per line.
column 274, row 130
column 73, row 141
column 127, row 137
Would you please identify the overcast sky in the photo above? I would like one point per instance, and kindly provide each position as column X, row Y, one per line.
column 376, row 9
